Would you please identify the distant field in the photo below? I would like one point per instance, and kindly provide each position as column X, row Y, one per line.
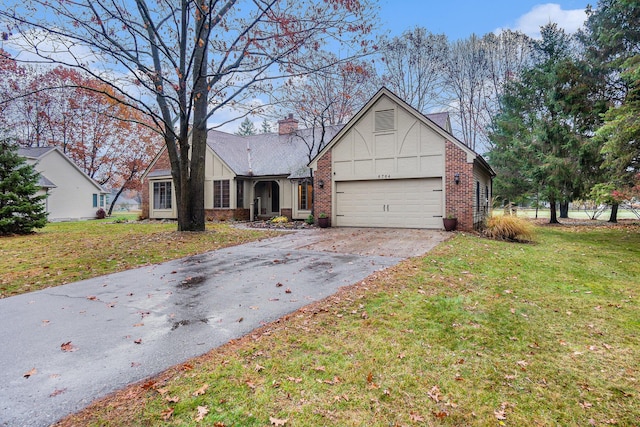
column 573, row 214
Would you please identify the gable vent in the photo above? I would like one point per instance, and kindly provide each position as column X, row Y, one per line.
column 385, row 120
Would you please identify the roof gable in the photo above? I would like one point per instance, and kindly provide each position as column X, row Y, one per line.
column 439, row 122
column 39, row 153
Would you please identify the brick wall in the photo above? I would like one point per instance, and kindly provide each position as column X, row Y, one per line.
column 288, row 212
column 322, row 196
column 227, row 214
column 459, row 198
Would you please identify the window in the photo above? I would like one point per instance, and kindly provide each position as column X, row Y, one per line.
column 102, row 200
column 486, row 194
column 477, row 196
column 95, row 200
column 240, row 193
column 162, row 195
column 305, row 193
column 221, row 193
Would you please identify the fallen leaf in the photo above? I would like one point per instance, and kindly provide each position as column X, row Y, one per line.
column 31, row 372
column 172, row 399
column 586, row 405
column 500, row 415
column 278, row 422
column 166, row 414
column 402, row 356
column 278, row 285
column 68, row 347
column 295, row 380
column 92, row 298
column 57, row 392
column 138, row 324
column 202, row 390
column 202, row 411
column 138, row 341
column 441, row 414
column 434, row 394
column 258, row 368
column 320, row 368
column 370, row 378
column 162, row 391
column 416, row 418
column 287, row 291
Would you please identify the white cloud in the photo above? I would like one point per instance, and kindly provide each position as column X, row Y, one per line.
column 542, row 14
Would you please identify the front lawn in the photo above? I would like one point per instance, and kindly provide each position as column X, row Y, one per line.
column 64, row 252
column 478, row 332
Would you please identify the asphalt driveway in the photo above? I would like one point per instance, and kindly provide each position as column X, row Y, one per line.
column 64, row 347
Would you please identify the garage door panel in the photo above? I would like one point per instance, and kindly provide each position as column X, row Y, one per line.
column 405, row 203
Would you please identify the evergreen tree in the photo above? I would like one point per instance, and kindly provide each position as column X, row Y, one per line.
column 266, row 127
column 21, row 210
column 246, row 128
column 541, row 138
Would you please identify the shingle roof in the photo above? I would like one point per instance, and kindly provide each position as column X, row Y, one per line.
column 268, row 154
column 34, row 152
column 440, row 119
column 44, row 182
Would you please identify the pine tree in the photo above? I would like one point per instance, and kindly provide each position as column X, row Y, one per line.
column 21, row 209
column 246, row 128
column 266, row 127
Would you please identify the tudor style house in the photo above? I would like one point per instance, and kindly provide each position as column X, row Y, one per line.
column 71, row 193
column 389, row 166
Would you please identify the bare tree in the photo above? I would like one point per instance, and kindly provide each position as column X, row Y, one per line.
column 466, row 80
column 414, row 65
column 185, row 60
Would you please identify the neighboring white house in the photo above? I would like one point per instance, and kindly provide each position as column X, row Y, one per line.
column 71, row 194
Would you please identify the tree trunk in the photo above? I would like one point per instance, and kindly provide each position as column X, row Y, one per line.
column 564, row 209
column 614, row 213
column 193, row 217
column 552, row 207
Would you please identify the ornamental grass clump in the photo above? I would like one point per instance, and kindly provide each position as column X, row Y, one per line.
column 510, row 228
column 279, row 220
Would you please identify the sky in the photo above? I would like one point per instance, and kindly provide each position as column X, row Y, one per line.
column 460, row 18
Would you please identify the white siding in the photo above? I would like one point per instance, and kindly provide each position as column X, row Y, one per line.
column 73, row 196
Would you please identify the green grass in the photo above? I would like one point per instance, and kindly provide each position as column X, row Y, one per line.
column 64, row 252
column 479, row 332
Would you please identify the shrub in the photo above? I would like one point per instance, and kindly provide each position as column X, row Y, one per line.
column 101, row 214
column 509, row 227
column 309, row 220
column 279, row 220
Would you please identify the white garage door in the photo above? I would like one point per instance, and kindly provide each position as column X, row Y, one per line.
column 402, row 203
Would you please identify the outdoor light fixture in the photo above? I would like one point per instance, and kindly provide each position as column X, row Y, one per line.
column 456, row 178
column 321, row 183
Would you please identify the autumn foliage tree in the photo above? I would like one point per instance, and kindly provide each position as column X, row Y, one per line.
column 110, row 141
column 186, row 61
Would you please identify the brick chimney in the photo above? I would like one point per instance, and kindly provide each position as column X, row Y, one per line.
column 287, row 125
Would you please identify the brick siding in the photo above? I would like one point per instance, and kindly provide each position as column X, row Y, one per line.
column 459, row 198
column 226, row 214
column 322, row 196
